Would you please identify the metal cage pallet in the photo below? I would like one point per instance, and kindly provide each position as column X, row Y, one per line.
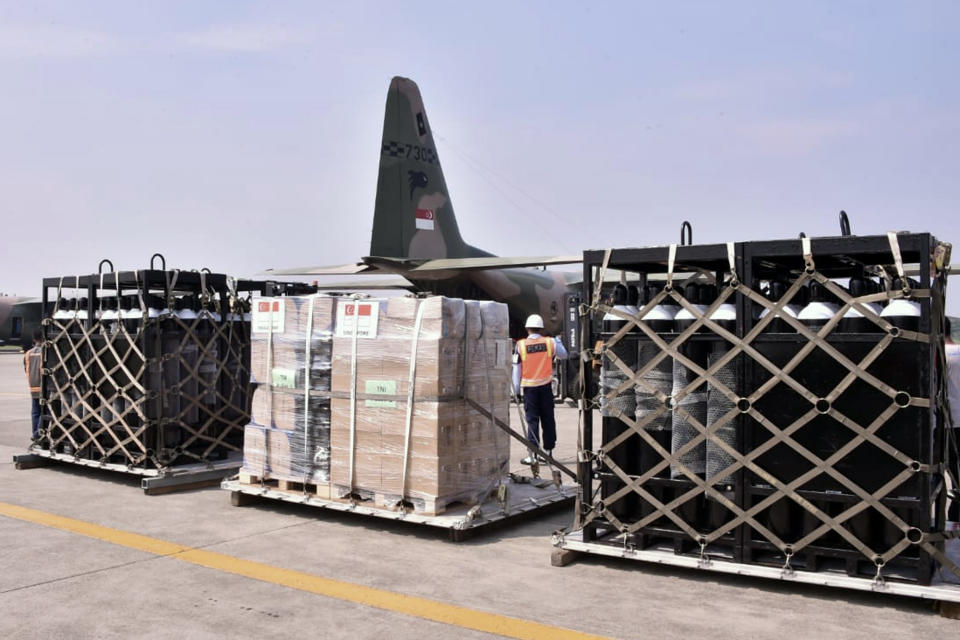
column 823, row 451
column 147, row 373
column 940, row 589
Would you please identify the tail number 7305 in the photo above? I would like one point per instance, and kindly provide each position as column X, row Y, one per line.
column 406, row 150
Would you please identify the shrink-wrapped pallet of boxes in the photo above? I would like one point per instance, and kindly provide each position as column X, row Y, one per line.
column 288, row 438
column 382, row 415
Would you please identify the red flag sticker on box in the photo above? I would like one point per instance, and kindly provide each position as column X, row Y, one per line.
column 358, row 316
column 267, row 315
column 425, row 218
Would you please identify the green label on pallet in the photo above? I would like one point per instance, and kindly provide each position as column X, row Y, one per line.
column 286, row 378
column 384, row 388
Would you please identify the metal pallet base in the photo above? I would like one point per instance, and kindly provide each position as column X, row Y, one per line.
column 153, row 481
column 939, row 590
column 524, row 499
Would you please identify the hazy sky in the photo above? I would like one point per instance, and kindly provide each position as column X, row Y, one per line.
column 245, row 135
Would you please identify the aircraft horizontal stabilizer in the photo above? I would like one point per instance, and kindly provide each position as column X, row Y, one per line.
column 340, row 270
column 493, row 262
column 363, row 284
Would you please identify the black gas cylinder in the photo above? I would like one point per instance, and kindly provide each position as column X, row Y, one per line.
column 661, row 317
column 726, row 314
column 853, row 320
column 626, row 454
column 820, row 309
column 774, row 293
column 685, row 318
column 903, row 313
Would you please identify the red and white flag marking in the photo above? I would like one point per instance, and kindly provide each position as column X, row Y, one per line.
column 425, row 218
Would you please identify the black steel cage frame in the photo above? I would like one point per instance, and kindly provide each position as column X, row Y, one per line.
column 98, row 368
column 671, row 507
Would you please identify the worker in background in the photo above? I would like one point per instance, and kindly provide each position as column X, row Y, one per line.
column 32, row 363
column 533, row 374
column 952, row 351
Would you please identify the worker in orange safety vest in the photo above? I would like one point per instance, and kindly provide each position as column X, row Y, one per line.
column 533, row 375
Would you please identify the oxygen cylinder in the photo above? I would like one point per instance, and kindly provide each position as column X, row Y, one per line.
column 633, row 298
column 170, row 336
column 208, row 320
column 903, row 313
column 775, row 291
column 693, row 403
column 189, row 382
column 150, row 329
column 75, row 382
column 63, row 310
column 661, row 317
column 82, row 311
column 853, row 320
column 684, row 318
column 726, row 314
column 108, row 326
column 718, row 406
column 186, row 308
column 819, row 310
column 611, row 377
column 659, row 378
column 109, row 316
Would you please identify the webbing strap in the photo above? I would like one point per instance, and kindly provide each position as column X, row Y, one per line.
column 353, row 395
column 136, row 281
column 411, row 382
column 603, row 271
column 897, row 257
column 306, row 387
column 56, row 305
column 732, row 262
column 671, row 259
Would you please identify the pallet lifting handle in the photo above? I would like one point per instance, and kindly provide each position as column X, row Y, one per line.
column 844, row 223
column 100, row 266
column 686, row 234
column 163, row 261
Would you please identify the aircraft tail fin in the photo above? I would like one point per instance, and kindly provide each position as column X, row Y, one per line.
column 413, row 216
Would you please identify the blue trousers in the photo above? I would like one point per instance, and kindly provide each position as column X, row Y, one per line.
column 35, row 415
column 538, row 407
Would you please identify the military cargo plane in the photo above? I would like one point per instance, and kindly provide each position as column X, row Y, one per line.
column 416, row 240
column 19, row 316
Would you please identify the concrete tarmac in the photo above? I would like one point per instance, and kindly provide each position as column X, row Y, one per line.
column 58, row 584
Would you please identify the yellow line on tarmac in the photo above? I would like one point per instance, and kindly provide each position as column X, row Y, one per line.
column 380, row 598
column 15, row 394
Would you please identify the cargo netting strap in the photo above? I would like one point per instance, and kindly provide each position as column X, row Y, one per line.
column 714, row 428
column 164, row 389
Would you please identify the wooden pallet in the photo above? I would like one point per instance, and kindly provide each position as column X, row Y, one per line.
column 424, row 506
column 321, row 490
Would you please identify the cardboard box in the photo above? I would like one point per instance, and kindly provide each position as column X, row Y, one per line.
column 462, row 350
column 254, row 450
column 286, row 360
column 439, row 366
column 282, row 409
column 441, row 318
column 366, row 469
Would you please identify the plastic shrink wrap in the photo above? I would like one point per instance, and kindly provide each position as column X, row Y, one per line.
column 383, row 411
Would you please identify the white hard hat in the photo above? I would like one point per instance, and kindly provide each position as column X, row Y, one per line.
column 534, row 321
